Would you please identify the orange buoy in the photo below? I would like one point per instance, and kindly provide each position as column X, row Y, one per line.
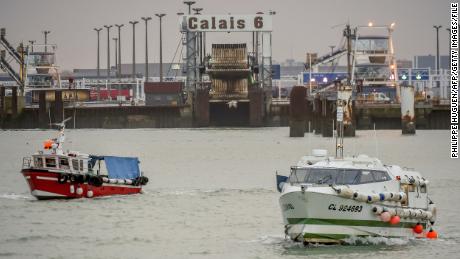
column 395, row 220
column 418, row 229
column 432, row 234
column 47, row 144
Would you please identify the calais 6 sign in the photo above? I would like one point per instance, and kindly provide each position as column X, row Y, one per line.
column 227, row 23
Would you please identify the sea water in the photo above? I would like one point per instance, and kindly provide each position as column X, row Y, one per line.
column 211, row 194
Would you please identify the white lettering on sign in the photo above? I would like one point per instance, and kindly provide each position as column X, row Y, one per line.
column 226, row 23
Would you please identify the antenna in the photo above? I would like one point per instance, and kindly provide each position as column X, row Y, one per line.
column 61, row 124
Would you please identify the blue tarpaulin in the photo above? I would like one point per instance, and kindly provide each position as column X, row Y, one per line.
column 280, row 179
column 122, row 167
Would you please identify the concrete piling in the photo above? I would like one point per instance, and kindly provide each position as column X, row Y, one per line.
column 309, row 116
column 327, row 118
column 42, row 116
column 297, row 111
column 14, row 101
column 202, row 108
column 2, row 101
column 256, row 105
column 317, row 110
column 58, row 106
column 407, row 110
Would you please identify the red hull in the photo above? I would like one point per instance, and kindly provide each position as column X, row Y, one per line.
column 44, row 185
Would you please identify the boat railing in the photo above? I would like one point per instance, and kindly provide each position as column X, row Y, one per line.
column 26, row 162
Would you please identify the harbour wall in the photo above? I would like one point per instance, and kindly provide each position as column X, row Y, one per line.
column 386, row 116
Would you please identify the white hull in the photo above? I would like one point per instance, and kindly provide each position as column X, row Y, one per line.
column 325, row 217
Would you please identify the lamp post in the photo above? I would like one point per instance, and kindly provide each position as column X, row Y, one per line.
column 437, row 27
column 108, row 49
column 116, row 64
column 119, row 48
column 45, row 33
column 146, row 74
column 109, row 91
column 189, row 3
column 160, row 16
column 134, row 47
column 332, row 49
column 98, row 30
column 116, row 54
column 32, row 42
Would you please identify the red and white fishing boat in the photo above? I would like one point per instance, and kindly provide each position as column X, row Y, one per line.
column 52, row 173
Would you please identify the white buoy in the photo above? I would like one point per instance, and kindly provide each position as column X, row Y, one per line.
column 345, row 192
column 89, row 194
column 387, row 196
column 79, row 191
column 374, row 198
column 392, row 212
column 377, row 210
column 403, row 196
column 359, row 197
column 72, row 189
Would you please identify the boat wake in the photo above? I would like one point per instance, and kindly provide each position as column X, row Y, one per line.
column 217, row 191
column 280, row 240
column 376, row 241
column 14, row 196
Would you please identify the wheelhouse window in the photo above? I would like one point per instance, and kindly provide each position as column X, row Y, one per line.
column 348, row 177
column 64, row 163
column 81, row 165
column 336, row 176
column 75, row 164
column 38, row 162
column 366, row 177
column 50, row 162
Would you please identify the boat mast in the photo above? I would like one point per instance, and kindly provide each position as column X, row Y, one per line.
column 339, row 128
column 61, row 137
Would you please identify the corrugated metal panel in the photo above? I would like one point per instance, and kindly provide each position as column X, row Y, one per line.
column 230, row 71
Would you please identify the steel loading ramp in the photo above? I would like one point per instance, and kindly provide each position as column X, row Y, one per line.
column 326, row 58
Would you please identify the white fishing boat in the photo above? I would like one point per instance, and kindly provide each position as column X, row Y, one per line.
column 327, row 199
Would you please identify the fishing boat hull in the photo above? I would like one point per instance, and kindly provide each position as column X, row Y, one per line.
column 45, row 185
column 327, row 218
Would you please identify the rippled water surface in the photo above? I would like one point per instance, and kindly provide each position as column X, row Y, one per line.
column 211, row 195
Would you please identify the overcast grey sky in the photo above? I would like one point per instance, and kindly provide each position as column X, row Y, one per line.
column 299, row 26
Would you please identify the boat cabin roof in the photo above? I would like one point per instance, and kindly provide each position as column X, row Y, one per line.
column 355, row 162
column 339, row 176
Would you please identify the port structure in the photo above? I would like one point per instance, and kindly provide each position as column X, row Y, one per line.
column 15, row 58
column 230, row 86
column 370, row 57
column 36, row 62
column 371, row 65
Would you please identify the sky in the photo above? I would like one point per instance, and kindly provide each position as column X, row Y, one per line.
column 298, row 26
